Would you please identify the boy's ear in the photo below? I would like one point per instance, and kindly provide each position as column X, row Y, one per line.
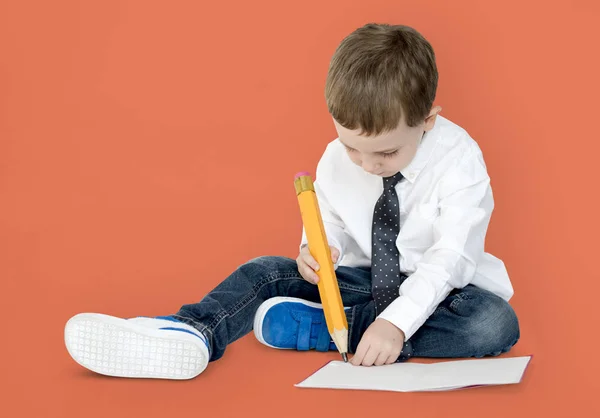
column 430, row 119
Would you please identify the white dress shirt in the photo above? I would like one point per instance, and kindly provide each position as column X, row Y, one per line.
column 445, row 206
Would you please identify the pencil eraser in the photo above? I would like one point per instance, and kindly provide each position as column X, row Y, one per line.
column 302, row 173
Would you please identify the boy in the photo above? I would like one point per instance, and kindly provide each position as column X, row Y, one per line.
column 406, row 201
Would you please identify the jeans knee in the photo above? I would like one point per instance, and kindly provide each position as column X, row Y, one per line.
column 264, row 260
column 263, row 267
column 269, row 262
column 493, row 327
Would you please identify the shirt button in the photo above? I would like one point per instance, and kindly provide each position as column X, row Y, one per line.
column 411, row 176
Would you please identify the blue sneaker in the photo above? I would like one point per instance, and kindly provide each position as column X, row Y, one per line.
column 143, row 347
column 292, row 324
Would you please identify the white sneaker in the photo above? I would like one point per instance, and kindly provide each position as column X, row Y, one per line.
column 140, row 347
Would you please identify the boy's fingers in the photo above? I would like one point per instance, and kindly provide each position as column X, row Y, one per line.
column 382, row 358
column 311, row 262
column 370, row 356
column 307, row 273
column 360, row 353
column 335, row 253
column 392, row 358
column 314, row 278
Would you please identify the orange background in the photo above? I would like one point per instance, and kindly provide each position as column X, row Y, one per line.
column 148, row 148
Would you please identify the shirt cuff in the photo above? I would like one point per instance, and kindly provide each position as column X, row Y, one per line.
column 404, row 314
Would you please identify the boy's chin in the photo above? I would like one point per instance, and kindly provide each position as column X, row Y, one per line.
column 384, row 174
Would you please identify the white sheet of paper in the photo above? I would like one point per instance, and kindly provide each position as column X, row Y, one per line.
column 413, row 377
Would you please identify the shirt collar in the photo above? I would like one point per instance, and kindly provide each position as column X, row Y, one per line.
column 424, row 152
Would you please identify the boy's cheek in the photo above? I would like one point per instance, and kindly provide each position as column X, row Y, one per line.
column 355, row 159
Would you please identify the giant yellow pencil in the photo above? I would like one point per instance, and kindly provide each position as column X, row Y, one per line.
column 337, row 324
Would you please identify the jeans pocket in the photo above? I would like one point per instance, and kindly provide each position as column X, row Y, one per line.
column 462, row 304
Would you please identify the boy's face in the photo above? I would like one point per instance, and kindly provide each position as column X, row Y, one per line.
column 389, row 153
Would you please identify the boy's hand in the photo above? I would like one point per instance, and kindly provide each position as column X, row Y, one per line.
column 307, row 265
column 381, row 344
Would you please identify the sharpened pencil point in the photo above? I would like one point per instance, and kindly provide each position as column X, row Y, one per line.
column 345, row 357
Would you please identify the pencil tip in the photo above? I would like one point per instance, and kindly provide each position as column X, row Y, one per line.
column 345, row 357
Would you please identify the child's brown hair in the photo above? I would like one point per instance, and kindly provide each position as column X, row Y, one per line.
column 379, row 74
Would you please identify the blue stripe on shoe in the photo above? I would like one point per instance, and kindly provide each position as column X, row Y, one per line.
column 168, row 318
column 173, row 319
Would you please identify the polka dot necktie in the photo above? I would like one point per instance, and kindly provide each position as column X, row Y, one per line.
column 385, row 268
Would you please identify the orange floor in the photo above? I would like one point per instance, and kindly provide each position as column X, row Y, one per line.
column 148, row 148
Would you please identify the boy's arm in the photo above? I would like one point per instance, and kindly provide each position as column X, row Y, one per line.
column 334, row 226
column 459, row 235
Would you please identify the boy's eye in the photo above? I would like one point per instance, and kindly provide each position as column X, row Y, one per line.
column 385, row 154
column 390, row 154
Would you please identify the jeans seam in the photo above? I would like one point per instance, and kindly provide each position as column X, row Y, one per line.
column 350, row 319
column 354, row 289
column 198, row 325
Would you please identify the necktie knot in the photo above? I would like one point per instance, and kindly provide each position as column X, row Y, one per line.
column 390, row 182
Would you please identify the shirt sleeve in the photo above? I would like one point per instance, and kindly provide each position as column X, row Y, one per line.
column 459, row 230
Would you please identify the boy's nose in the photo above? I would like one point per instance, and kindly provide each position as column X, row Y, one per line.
column 371, row 166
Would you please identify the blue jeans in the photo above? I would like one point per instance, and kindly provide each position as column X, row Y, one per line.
column 470, row 322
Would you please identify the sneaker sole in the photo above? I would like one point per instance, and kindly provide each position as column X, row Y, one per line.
column 268, row 304
column 114, row 346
